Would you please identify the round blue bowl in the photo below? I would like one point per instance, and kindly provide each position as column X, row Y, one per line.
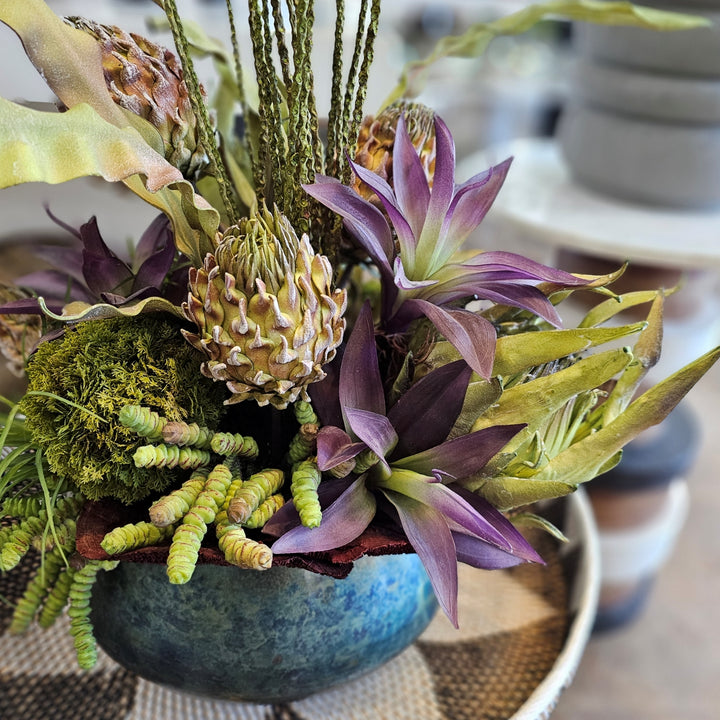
column 266, row 637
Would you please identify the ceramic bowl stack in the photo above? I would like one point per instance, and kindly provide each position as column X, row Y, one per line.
column 643, row 119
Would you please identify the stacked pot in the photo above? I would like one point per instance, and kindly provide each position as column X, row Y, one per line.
column 643, row 119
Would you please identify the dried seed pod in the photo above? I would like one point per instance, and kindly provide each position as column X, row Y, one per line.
column 143, row 421
column 170, row 508
column 132, row 536
column 303, row 488
column 254, row 491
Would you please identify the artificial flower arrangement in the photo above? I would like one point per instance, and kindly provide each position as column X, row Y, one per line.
column 300, row 362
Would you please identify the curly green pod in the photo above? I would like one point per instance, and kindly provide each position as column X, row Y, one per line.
column 171, row 508
column 142, row 421
column 188, row 537
column 81, row 628
column 265, row 511
column 170, row 456
column 254, row 491
column 239, row 549
column 22, row 507
column 304, row 413
column 64, row 536
column 303, row 488
column 56, row 599
column 234, row 444
column 19, row 540
column 303, row 444
column 35, row 593
column 134, row 535
column 182, row 433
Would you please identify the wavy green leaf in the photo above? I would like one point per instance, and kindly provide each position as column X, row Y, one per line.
column 51, row 147
column 77, row 312
column 475, row 40
column 70, row 62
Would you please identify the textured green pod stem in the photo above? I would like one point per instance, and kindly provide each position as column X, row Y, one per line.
column 170, row 456
column 35, row 593
column 303, row 488
column 303, row 444
column 236, row 547
column 18, row 541
column 81, row 628
column 182, row 433
column 188, row 537
column 64, row 536
column 56, row 599
column 266, row 510
column 254, row 491
column 132, row 536
column 171, row 508
column 304, row 413
column 142, row 421
column 22, row 507
column 235, row 445
column 365, row 460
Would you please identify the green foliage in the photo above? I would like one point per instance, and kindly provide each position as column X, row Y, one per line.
column 102, row 366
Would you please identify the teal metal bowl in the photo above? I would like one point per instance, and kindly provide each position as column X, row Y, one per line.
column 266, row 637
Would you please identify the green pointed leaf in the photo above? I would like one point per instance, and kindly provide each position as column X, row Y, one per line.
column 475, row 40
column 34, row 147
column 480, row 395
column 608, row 309
column 531, row 520
column 535, row 401
column 506, row 493
column 516, row 353
column 78, row 311
column 584, row 460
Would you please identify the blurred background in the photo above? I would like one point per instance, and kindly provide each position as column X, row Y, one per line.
column 654, row 656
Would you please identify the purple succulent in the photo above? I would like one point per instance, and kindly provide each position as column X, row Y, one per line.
column 87, row 270
column 420, row 274
column 412, row 470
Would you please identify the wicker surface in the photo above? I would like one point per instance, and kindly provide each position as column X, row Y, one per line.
column 514, row 624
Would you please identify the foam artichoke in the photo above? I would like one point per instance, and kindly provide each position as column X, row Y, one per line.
column 266, row 313
column 147, row 79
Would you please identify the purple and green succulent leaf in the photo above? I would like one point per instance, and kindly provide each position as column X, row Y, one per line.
column 375, row 431
column 424, row 414
column 462, row 456
column 427, row 531
column 480, row 395
column 343, row 521
column 335, row 446
column 477, row 553
column 474, row 41
column 360, row 384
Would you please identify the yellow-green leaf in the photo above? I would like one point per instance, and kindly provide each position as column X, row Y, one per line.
column 515, row 353
column 506, row 493
column 584, row 460
column 51, row 147
column 611, row 307
column 475, row 40
column 78, row 311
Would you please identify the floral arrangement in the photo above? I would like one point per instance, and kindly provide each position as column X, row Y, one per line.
column 299, row 363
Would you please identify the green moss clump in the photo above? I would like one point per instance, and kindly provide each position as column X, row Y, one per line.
column 103, row 365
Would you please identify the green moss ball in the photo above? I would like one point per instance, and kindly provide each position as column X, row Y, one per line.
column 102, row 365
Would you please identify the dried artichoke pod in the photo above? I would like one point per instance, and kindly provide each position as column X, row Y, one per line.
column 18, row 333
column 376, row 140
column 147, row 79
column 267, row 315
